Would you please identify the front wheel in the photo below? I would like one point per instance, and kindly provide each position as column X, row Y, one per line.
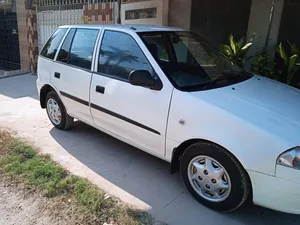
column 214, row 177
column 57, row 113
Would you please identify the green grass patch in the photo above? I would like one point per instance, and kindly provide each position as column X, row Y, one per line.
column 20, row 160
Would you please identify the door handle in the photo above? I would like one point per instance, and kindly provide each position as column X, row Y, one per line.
column 57, row 75
column 100, row 89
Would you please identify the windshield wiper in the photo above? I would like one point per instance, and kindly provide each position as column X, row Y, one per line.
column 227, row 75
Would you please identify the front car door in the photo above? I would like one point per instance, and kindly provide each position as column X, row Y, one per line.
column 136, row 114
column 72, row 71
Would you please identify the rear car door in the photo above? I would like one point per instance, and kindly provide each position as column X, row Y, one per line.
column 72, row 71
column 136, row 114
column 47, row 55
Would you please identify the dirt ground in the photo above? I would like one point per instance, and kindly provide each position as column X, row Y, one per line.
column 19, row 207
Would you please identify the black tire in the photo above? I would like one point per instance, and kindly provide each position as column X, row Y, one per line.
column 240, row 183
column 66, row 120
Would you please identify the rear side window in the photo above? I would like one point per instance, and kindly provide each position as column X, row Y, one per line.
column 64, row 52
column 52, row 44
column 82, row 48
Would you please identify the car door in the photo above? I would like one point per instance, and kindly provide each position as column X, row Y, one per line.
column 137, row 115
column 72, row 71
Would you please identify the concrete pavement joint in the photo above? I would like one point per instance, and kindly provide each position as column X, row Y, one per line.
column 170, row 202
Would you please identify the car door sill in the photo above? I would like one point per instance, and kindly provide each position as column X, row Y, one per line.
column 96, row 107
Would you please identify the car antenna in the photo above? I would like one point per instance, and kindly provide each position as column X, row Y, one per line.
column 132, row 28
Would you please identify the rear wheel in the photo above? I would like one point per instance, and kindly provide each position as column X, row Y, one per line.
column 214, row 177
column 57, row 113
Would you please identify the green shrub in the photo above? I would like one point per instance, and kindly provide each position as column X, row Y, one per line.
column 236, row 51
column 263, row 65
column 291, row 61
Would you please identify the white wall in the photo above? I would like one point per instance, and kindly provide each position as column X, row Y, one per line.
column 259, row 23
column 180, row 13
column 162, row 12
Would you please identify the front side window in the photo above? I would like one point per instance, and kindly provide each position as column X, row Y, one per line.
column 82, row 48
column 120, row 55
column 190, row 62
column 52, row 44
column 157, row 46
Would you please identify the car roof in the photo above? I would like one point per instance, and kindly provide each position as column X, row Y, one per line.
column 131, row 27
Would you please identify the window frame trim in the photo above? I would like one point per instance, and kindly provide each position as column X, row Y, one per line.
column 112, row 76
column 62, row 43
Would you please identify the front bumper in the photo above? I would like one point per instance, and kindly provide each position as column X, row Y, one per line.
column 276, row 193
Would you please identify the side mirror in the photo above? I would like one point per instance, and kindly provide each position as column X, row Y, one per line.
column 144, row 78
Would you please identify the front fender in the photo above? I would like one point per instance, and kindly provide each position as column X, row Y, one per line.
column 255, row 148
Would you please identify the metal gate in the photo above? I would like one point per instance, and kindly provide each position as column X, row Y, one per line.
column 9, row 41
column 54, row 13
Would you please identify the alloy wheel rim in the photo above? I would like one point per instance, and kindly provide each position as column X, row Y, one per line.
column 54, row 111
column 209, row 179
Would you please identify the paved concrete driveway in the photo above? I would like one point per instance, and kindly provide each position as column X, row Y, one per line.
column 122, row 170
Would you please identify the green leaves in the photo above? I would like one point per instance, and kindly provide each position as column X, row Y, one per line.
column 282, row 53
column 294, row 49
column 291, row 62
column 236, row 51
column 264, row 65
column 292, row 67
column 233, row 45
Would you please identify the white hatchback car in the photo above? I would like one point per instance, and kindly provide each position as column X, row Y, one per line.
column 233, row 135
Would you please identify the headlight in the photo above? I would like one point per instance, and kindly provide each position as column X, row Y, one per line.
column 290, row 158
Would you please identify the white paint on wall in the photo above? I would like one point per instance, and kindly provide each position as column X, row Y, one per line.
column 259, row 21
column 162, row 8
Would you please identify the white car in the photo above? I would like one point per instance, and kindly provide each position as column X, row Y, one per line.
column 233, row 135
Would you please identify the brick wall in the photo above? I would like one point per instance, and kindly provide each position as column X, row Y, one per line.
column 28, row 37
column 32, row 39
column 22, row 31
column 99, row 13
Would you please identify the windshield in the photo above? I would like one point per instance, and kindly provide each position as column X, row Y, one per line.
column 191, row 62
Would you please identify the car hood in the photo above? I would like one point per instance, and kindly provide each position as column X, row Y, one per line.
column 273, row 106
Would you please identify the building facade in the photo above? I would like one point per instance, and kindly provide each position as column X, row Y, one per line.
column 271, row 21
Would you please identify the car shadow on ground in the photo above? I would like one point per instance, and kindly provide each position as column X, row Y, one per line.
column 148, row 179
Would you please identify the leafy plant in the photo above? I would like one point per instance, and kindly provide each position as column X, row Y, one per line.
column 236, row 51
column 263, row 65
column 291, row 62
